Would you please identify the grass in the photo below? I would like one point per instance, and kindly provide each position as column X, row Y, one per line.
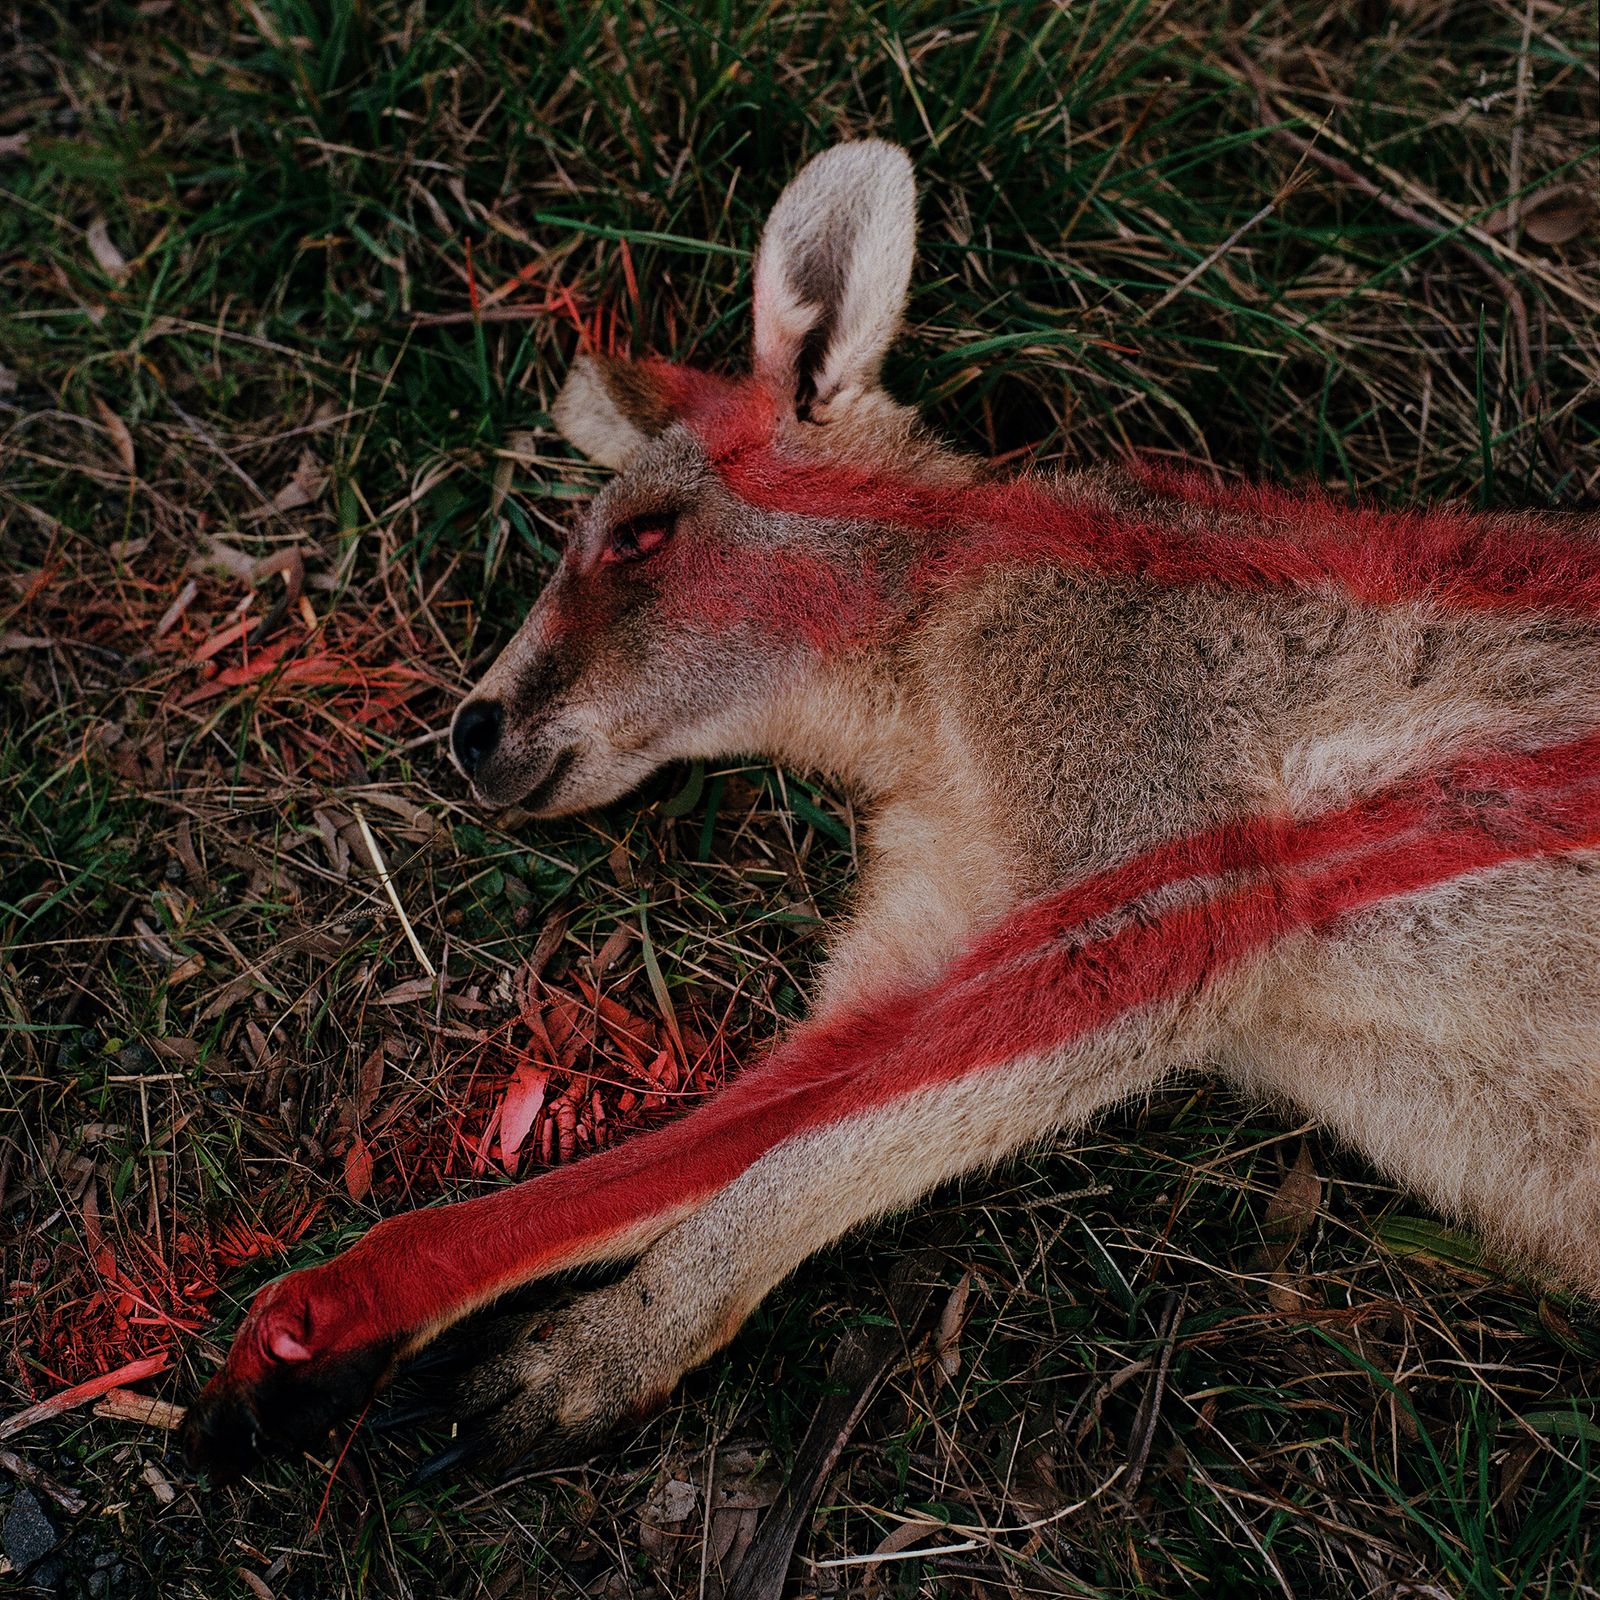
column 238, row 254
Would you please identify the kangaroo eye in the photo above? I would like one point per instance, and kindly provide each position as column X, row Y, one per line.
column 639, row 537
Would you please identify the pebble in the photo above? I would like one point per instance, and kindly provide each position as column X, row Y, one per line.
column 27, row 1534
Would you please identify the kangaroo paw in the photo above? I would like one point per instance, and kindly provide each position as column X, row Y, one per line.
column 559, row 1379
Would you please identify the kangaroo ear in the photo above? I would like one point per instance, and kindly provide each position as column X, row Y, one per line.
column 832, row 273
column 609, row 408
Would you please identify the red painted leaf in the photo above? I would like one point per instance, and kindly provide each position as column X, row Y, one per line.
column 523, row 1101
column 358, row 1169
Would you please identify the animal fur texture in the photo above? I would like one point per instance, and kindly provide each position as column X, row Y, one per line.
column 1163, row 778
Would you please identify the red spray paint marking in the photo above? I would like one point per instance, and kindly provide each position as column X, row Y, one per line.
column 1256, row 538
column 704, row 398
column 1489, row 790
column 1023, row 991
column 1251, row 538
column 786, row 592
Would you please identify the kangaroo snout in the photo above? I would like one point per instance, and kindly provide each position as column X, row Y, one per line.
column 502, row 767
column 512, row 758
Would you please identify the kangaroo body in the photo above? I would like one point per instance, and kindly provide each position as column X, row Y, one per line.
column 811, row 586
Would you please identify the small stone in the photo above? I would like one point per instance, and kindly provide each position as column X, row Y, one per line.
column 28, row 1535
column 50, row 1574
column 136, row 1058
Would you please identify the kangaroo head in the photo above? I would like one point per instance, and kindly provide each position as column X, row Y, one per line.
column 679, row 611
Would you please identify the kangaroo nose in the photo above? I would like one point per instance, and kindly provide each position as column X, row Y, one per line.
column 475, row 734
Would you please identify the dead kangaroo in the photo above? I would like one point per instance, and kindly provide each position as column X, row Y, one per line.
column 1163, row 778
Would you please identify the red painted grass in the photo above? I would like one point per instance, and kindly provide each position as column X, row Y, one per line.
column 1043, row 979
column 130, row 1296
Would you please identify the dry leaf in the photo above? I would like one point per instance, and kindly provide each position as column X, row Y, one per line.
column 223, row 556
column 621, row 864
column 1035, row 1486
column 905, row 1536
column 189, row 967
column 13, row 144
column 368, row 1081
column 1285, row 1292
column 733, row 1531
column 334, row 844
column 421, row 826
column 612, row 951
column 404, row 993
column 304, row 486
column 183, row 1049
column 1289, row 1212
column 550, row 937
column 668, row 1506
column 947, row 1336
column 120, row 437
column 1559, row 214
column 110, row 260
column 92, row 1236
column 358, row 1169
column 256, row 1586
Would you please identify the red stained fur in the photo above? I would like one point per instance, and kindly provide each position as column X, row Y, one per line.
column 1056, row 971
column 1258, row 537
column 1252, row 537
column 791, row 594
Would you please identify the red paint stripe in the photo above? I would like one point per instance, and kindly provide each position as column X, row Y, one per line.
column 1024, row 990
column 1254, row 537
column 1487, row 781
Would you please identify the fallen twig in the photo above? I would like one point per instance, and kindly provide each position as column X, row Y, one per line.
column 125, row 1406
column 81, row 1394
column 41, row 1482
